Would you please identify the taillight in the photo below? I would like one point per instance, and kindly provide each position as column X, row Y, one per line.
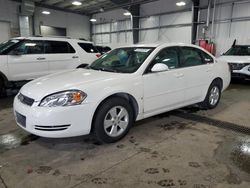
column 98, row 55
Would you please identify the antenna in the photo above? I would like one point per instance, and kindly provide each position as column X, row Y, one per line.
column 234, row 43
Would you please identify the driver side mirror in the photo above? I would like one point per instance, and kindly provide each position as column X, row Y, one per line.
column 159, row 67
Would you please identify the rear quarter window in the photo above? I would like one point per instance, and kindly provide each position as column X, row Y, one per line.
column 58, row 47
column 88, row 47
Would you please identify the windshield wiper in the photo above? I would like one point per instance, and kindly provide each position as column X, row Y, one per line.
column 104, row 69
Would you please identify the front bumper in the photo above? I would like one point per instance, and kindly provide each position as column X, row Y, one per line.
column 54, row 122
column 244, row 72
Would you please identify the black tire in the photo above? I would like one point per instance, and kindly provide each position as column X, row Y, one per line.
column 207, row 104
column 2, row 88
column 102, row 114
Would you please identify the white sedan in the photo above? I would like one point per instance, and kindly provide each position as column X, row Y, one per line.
column 127, row 84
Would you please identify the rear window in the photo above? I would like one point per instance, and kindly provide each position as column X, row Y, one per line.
column 103, row 49
column 58, row 47
column 88, row 47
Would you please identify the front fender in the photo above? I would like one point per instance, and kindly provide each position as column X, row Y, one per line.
column 134, row 88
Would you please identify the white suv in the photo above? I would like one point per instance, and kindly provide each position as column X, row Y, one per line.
column 238, row 57
column 33, row 57
column 127, row 84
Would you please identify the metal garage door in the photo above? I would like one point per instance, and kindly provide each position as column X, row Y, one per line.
column 4, row 31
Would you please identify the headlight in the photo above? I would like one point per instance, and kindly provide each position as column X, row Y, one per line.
column 65, row 98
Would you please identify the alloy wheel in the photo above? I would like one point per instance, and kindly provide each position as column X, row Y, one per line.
column 214, row 95
column 116, row 121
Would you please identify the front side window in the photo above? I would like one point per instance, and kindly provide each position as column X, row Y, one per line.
column 5, row 47
column 88, row 47
column 239, row 51
column 168, row 56
column 28, row 47
column 190, row 57
column 207, row 58
column 58, row 47
column 123, row 60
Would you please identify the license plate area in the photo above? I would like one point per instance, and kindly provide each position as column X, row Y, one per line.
column 21, row 119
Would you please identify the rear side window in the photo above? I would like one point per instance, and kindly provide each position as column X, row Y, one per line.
column 191, row 57
column 58, row 47
column 88, row 47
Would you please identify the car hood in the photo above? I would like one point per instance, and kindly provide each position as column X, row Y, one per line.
column 66, row 80
column 235, row 59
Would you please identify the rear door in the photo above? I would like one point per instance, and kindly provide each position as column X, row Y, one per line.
column 89, row 52
column 60, row 56
column 27, row 61
column 197, row 67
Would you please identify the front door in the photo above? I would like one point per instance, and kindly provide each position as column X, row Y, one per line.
column 27, row 61
column 164, row 91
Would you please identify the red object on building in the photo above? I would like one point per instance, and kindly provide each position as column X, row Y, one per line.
column 210, row 47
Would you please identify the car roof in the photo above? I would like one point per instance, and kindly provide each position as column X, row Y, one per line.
column 53, row 38
column 155, row 45
column 245, row 45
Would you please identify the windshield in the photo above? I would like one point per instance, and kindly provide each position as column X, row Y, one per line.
column 122, row 60
column 239, row 51
column 8, row 44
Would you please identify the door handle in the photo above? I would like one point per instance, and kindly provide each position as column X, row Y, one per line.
column 75, row 57
column 208, row 70
column 41, row 58
column 178, row 75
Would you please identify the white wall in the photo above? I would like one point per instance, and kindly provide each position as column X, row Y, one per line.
column 113, row 39
column 110, row 15
column 226, row 32
column 162, row 6
column 170, row 34
column 77, row 26
column 9, row 13
column 24, row 26
column 4, row 31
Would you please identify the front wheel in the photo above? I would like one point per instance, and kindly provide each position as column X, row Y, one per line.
column 113, row 120
column 213, row 96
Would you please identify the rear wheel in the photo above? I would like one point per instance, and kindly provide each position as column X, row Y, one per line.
column 213, row 96
column 113, row 120
column 2, row 88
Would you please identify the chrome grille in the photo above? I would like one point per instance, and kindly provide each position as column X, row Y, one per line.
column 238, row 66
column 25, row 100
column 51, row 128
